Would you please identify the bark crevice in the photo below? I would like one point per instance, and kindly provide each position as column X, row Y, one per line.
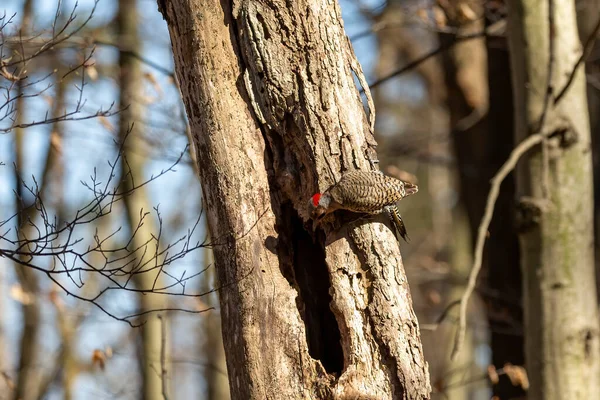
column 312, row 281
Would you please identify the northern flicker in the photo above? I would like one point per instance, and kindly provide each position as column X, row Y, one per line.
column 368, row 192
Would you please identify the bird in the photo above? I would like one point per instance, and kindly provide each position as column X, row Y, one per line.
column 368, row 192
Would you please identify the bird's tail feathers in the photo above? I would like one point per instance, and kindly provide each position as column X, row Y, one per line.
column 398, row 223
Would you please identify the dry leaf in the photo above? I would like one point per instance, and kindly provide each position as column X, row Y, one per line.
column 56, row 299
column 423, row 14
column 149, row 99
column 18, row 294
column 434, row 297
column 106, row 123
column 517, row 375
column 493, row 375
column 92, row 72
column 153, row 81
column 439, row 16
column 48, row 99
column 99, row 358
column 466, row 12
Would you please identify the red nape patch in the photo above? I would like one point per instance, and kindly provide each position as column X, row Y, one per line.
column 316, row 198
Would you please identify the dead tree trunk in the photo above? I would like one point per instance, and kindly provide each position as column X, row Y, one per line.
column 555, row 202
column 276, row 116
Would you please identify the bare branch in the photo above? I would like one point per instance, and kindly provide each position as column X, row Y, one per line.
column 535, row 138
column 497, row 180
column 489, row 31
column 63, row 245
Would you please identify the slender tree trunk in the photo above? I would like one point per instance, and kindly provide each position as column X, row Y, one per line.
column 555, row 210
column 67, row 327
column 400, row 43
column 27, row 371
column 275, row 116
column 31, row 383
column 465, row 67
column 215, row 373
column 588, row 12
column 53, row 195
column 480, row 104
column 503, row 261
column 137, row 203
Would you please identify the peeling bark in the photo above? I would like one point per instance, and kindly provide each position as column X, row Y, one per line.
column 276, row 116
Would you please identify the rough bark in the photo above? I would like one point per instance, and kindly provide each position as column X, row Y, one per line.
column 137, row 203
column 275, row 116
column 556, row 219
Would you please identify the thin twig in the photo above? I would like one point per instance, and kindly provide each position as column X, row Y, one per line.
column 163, row 352
column 440, row 49
column 507, row 167
column 493, row 30
column 136, row 55
column 441, row 318
column 497, row 180
column 587, row 49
